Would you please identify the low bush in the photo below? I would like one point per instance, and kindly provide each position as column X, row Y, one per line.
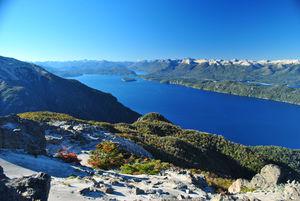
column 108, row 155
column 247, row 190
column 144, row 166
column 220, row 184
column 69, row 157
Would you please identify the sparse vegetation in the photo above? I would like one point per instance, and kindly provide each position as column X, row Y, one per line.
column 245, row 189
column 220, row 184
column 108, row 155
column 207, row 152
column 45, row 116
column 144, row 166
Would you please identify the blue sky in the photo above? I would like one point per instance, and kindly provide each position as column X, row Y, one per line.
column 149, row 29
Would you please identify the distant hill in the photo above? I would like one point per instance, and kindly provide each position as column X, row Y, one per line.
column 28, row 87
column 77, row 68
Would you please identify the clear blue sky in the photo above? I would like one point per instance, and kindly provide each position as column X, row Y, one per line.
column 148, row 29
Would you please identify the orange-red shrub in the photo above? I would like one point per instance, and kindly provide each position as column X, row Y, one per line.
column 69, row 157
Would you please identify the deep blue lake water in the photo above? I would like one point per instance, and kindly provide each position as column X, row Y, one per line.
column 245, row 120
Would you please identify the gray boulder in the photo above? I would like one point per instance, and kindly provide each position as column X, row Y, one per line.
column 198, row 180
column 7, row 193
column 232, row 198
column 292, row 191
column 91, row 192
column 31, row 188
column 2, row 176
column 17, row 133
column 238, row 185
column 139, row 191
column 270, row 175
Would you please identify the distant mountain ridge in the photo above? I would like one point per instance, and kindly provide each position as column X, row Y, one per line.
column 80, row 67
column 284, row 72
column 28, row 87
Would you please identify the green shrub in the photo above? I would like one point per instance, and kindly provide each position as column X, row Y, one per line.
column 145, row 166
column 246, row 189
column 108, row 155
column 159, row 128
column 220, row 184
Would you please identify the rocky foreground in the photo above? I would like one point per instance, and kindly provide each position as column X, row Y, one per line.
column 28, row 148
column 34, row 187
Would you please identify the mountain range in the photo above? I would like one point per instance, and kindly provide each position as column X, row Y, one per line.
column 77, row 68
column 280, row 72
column 28, row 87
column 283, row 72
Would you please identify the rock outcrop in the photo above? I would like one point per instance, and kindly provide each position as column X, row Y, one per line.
column 269, row 176
column 31, row 188
column 17, row 133
column 80, row 136
column 238, row 185
column 2, row 176
column 292, row 191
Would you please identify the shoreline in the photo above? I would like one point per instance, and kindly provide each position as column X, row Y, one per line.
column 190, row 85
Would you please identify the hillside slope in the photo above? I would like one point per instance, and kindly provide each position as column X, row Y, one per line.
column 191, row 148
column 28, row 87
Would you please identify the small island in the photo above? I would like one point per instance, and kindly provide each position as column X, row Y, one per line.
column 128, row 79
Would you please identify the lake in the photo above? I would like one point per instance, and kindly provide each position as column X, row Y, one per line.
column 245, row 120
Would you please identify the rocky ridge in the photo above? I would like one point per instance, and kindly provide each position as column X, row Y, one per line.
column 81, row 138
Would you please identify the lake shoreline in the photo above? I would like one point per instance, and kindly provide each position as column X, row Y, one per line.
column 246, row 120
column 190, row 85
